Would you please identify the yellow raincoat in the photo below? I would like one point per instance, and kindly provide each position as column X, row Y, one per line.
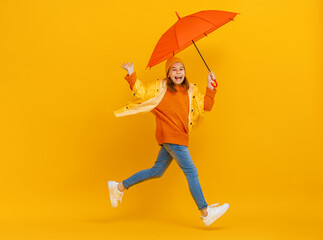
column 146, row 98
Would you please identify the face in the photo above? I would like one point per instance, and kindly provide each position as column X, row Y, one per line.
column 177, row 73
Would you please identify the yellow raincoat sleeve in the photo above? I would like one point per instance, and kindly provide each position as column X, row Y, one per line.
column 141, row 92
column 139, row 89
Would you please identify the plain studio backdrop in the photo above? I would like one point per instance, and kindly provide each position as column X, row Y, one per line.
column 259, row 149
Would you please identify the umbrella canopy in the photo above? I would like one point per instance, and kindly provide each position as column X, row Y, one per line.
column 186, row 31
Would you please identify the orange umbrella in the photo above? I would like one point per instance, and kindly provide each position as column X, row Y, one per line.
column 187, row 31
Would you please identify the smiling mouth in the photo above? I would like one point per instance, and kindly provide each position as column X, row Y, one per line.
column 178, row 78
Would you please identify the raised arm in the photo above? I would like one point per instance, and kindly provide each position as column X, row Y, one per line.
column 131, row 76
column 210, row 92
column 140, row 90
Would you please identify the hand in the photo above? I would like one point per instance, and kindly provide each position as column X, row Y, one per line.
column 211, row 80
column 129, row 67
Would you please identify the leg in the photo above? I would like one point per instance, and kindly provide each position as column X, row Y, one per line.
column 183, row 158
column 161, row 164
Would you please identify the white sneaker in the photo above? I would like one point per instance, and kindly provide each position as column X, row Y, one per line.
column 115, row 194
column 214, row 213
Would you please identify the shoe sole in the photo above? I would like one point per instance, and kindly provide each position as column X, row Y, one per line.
column 111, row 185
column 218, row 216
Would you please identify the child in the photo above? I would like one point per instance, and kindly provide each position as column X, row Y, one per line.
column 178, row 106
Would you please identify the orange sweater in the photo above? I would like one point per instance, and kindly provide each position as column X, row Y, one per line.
column 172, row 117
column 172, row 114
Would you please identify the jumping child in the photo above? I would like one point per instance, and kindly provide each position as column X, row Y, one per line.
column 178, row 106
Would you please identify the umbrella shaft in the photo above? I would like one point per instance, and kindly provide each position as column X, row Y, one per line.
column 201, row 56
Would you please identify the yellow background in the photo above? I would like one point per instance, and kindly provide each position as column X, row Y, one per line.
column 259, row 149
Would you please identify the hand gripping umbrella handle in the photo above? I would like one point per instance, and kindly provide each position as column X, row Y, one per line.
column 216, row 84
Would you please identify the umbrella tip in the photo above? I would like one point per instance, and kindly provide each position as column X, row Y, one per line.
column 178, row 15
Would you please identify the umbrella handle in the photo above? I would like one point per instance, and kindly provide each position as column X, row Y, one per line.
column 216, row 84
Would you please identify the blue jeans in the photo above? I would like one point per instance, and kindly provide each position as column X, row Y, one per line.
column 166, row 154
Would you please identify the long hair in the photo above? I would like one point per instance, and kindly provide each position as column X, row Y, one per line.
column 171, row 84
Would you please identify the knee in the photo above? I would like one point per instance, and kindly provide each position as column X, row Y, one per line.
column 157, row 173
column 191, row 172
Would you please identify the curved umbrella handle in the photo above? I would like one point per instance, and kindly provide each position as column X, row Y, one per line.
column 216, row 84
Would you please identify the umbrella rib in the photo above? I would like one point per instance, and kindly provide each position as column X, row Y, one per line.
column 203, row 20
column 230, row 19
column 175, row 38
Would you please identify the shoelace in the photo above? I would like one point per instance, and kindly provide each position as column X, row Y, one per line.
column 214, row 205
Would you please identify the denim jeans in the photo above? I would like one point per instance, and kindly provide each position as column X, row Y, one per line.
column 167, row 153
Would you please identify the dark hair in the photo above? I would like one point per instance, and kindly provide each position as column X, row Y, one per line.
column 171, row 84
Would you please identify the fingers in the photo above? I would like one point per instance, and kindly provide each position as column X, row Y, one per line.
column 212, row 75
column 212, row 79
column 127, row 65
